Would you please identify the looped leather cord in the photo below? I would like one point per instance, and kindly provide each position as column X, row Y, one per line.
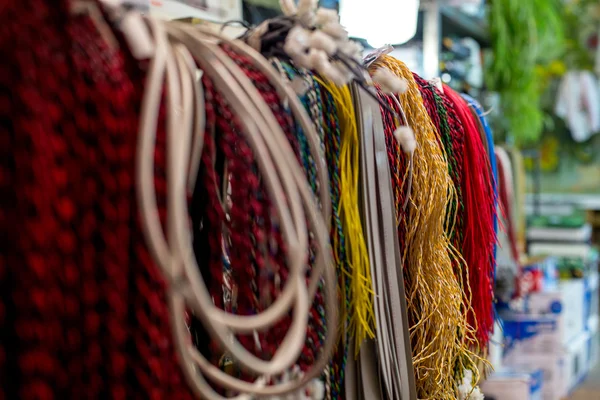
column 177, row 250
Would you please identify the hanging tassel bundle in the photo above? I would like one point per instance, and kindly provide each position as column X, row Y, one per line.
column 434, row 295
column 479, row 234
column 455, row 128
column 398, row 163
column 452, row 143
column 487, row 133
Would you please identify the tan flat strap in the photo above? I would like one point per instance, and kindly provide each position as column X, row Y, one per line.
column 393, row 344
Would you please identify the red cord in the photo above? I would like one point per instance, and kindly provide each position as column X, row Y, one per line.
column 479, row 236
column 257, row 250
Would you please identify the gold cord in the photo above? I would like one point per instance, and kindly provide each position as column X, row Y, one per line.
column 435, row 293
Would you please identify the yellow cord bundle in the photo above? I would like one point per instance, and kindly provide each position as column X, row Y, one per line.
column 362, row 319
column 435, row 295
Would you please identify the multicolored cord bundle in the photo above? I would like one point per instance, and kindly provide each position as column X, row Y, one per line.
column 435, row 295
column 238, row 255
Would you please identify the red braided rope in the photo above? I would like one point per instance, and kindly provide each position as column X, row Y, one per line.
column 82, row 304
column 398, row 161
column 257, row 251
column 285, row 120
column 457, row 134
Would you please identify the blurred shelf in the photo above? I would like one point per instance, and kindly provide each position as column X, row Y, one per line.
column 456, row 22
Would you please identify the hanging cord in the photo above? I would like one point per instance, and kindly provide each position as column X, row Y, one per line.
column 431, row 96
column 506, row 185
column 315, row 40
column 299, row 142
column 432, row 99
column 331, row 125
column 399, row 164
column 439, row 117
column 479, row 236
column 361, row 290
column 487, row 130
column 320, row 104
column 434, row 296
column 452, row 142
column 175, row 256
column 451, row 126
column 464, row 364
column 357, row 282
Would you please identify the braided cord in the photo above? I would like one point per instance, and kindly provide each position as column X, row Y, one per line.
column 332, row 155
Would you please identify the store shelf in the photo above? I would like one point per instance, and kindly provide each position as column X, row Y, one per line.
column 456, row 22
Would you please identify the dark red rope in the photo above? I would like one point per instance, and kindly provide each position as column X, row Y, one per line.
column 82, row 304
column 257, row 249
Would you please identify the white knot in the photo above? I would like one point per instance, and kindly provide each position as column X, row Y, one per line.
column 296, row 41
column 344, row 71
column 406, row 138
column 322, row 41
column 335, row 30
column 352, row 49
column 466, row 390
column 296, row 46
column 316, row 390
column 307, row 11
column 319, row 61
column 325, row 16
column 389, row 82
column 437, row 82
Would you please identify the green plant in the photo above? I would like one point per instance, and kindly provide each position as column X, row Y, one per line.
column 524, row 34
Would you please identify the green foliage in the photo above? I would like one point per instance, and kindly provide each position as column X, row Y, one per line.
column 524, row 34
column 581, row 19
